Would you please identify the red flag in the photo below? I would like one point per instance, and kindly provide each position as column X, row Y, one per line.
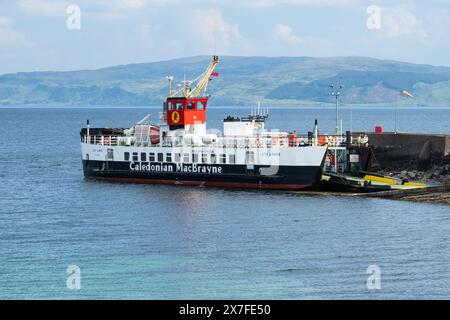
column 214, row 74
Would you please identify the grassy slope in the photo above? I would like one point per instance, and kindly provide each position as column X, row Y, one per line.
column 242, row 81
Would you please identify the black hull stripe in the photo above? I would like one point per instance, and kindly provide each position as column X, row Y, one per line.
column 233, row 176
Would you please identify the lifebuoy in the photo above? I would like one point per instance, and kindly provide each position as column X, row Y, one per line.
column 322, row 140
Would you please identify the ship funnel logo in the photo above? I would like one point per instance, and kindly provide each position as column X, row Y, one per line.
column 175, row 117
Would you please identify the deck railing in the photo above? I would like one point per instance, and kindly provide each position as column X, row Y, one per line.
column 259, row 141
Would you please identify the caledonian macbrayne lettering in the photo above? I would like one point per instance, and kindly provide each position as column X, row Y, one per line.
column 179, row 167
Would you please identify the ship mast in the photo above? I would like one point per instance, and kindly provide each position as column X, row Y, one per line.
column 201, row 83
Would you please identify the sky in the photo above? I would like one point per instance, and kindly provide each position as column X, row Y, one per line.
column 40, row 35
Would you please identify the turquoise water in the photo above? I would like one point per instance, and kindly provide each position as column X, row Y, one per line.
column 167, row 242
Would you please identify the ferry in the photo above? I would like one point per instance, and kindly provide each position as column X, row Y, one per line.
column 180, row 150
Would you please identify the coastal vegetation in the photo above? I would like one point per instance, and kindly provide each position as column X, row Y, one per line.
column 242, row 81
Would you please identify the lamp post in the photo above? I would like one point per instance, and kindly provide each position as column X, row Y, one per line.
column 170, row 79
column 336, row 93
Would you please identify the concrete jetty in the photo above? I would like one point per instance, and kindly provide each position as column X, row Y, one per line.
column 410, row 156
column 415, row 156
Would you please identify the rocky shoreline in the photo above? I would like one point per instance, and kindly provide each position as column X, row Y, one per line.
column 437, row 198
column 437, row 172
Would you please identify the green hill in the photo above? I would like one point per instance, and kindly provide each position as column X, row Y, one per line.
column 242, row 81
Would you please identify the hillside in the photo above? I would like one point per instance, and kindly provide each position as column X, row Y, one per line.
column 242, row 81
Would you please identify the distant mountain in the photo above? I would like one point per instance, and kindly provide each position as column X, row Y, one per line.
column 242, row 81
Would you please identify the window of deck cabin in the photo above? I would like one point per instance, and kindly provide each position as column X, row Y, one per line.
column 223, row 158
column 232, row 159
column 160, row 157
column 171, row 106
column 213, row 158
column 201, row 105
column 194, row 157
column 204, row 158
column 186, row 157
column 126, row 156
column 135, row 156
column 191, row 106
column 143, row 157
column 180, row 106
column 177, row 157
column 250, row 157
column 151, row 157
column 168, row 157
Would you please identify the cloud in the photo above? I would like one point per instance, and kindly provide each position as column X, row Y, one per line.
column 284, row 33
column 316, row 3
column 399, row 23
column 99, row 8
column 134, row 4
column 45, row 7
column 10, row 36
column 212, row 29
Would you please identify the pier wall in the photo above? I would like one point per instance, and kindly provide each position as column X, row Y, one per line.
column 403, row 149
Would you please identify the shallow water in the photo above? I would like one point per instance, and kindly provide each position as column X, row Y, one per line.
column 169, row 242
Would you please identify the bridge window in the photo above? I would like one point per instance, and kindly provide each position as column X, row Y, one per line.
column 191, row 106
column 168, row 157
column 201, row 105
column 171, row 106
column 135, row 156
column 151, row 157
column 180, row 106
column 126, row 156
column 232, row 159
column 160, row 157
column 143, row 157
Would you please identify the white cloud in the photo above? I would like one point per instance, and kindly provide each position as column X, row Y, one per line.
column 116, row 8
column 45, row 7
column 284, row 33
column 10, row 36
column 212, row 29
column 134, row 4
column 399, row 23
column 99, row 8
column 273, row 3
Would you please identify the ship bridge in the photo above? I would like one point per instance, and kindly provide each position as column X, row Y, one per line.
column 183, row 111
column 186, row 106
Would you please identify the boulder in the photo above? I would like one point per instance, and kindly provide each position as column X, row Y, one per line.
column 403, row 174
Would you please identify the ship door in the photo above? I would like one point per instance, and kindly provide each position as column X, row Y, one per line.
column 109, row 157
column 250, row 160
